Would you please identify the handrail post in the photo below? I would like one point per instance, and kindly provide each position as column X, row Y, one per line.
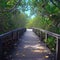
column 12, row 35
column 1, row 48
column 17, row 35
column 46, row 36
column 40, row 35
column 58, row 49
column 57, row 36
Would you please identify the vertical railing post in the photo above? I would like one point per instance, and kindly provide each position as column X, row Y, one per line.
column 17, row 34
column 1, row 50
column 58, row 49
column 12, row 36
column 40, row 35
column 46, row 36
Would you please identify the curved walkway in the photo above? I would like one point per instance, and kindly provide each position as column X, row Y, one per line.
column 30, row 48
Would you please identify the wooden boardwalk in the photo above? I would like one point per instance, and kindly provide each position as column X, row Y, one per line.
column 29, row 47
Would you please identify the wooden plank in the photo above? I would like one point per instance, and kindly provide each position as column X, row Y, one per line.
column 8, row 39
column 57, row 36
column 30, row 48
column 58, row 49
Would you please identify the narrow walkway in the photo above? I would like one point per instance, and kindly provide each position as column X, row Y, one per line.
column 30, row 48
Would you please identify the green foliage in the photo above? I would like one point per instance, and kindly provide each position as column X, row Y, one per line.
column 51, row 8
column 47, row 16
column 10, row 20
column 40, row 22
column 51, row 42
column 19, row 20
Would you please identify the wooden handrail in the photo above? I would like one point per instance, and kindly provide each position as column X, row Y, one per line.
column 11, row 31
column 7, row 40
column 57, row 36
column 48, row 32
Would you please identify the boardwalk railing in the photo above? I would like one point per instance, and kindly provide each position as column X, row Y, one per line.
column 8, row 39
column 48, row 33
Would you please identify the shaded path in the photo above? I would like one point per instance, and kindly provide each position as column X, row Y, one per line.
column 30, row 48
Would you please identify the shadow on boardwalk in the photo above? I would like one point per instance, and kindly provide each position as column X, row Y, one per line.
column 30, row 47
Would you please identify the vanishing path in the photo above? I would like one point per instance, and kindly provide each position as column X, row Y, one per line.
column 30, row 48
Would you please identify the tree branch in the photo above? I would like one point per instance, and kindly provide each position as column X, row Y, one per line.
column 14, row 8
column 54, row 3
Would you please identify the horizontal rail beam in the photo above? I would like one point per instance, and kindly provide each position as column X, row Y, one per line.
column 48, row 32
column 7, row 40
column 57, row 36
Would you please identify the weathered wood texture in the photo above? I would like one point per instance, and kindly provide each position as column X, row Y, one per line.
column 30, row 48
column 8, row 39
column 46, row 33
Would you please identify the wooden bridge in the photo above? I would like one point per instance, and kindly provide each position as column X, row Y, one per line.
column 15, row 45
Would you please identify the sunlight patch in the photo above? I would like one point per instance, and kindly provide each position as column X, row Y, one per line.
column 29, row 29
